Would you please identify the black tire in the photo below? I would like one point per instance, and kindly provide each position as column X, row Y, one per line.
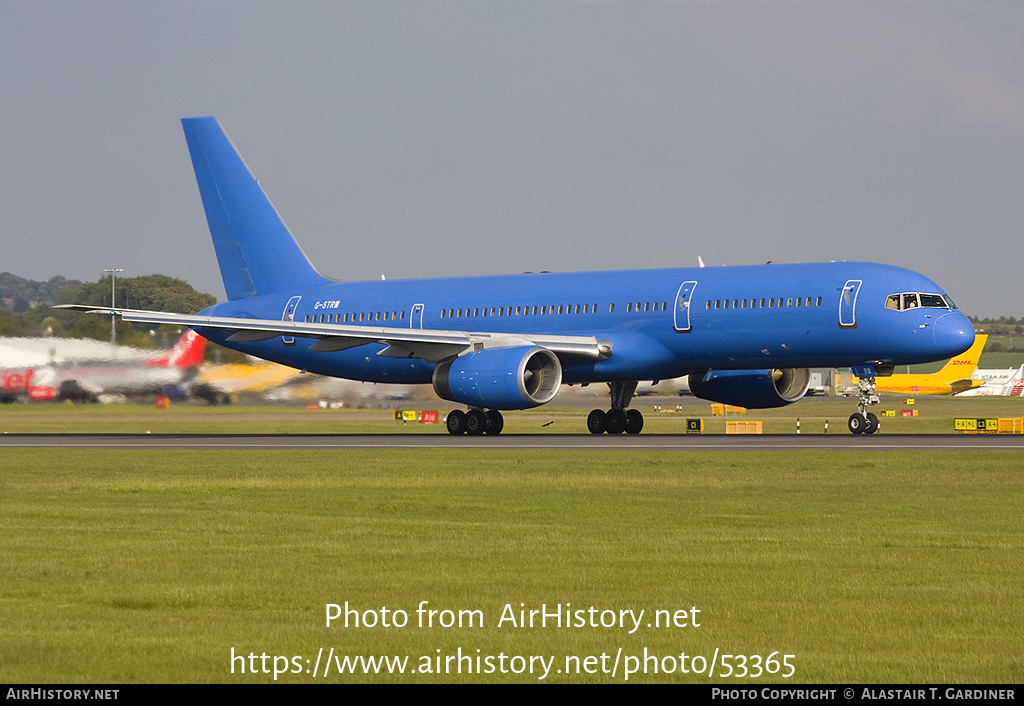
column 72, row 390
column 456, row 422
column 858, row 423
column 476, row 422
column 615, row 421
column 596, row 421
column 872, row 425
column 495, row 422
column 634, row 421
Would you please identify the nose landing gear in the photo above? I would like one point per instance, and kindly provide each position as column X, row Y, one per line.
column 864, row 422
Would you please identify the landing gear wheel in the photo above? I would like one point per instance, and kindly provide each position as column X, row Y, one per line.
column 596, row 421
column 615, row 421
column 456, row 422
column 476, row 422
column 863, row 422
column 634, row 421
column 858, row 423
column 872, row 423
column 495, row 422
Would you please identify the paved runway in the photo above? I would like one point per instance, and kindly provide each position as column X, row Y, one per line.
column 512, row 441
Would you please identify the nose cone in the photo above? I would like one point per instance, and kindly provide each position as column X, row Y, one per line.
column 953, row 334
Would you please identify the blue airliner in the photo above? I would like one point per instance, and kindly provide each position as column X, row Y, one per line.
column 745, row 335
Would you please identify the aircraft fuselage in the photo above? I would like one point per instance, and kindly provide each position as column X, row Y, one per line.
column 660, row 324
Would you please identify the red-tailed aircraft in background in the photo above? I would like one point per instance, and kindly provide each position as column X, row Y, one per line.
column 79, row 370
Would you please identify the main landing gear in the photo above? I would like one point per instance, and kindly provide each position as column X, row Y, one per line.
column 618, row 419
column 864, row 422
column 474, row 422
column 615, row 421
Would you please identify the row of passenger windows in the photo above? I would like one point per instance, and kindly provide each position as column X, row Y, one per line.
column 356, row 317
column 552, row 310
column 564, row 309
column 363, row 317
column 521, row 311
column 762, row 303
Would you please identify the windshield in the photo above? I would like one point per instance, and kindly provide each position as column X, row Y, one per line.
column 912, row 300
column 933, row 300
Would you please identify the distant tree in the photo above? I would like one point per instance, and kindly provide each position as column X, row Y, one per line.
column 11, row 286
column 156, row 292
column 11, row 324
column 87, row 326
column 68, row 293
column 26, row 290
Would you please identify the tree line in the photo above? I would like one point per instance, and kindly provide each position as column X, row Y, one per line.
column 27, row 306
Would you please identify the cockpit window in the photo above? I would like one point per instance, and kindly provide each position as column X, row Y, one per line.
column 949, row 301
column 913, row 300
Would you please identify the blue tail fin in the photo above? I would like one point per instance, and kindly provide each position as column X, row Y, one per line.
column 256, row 251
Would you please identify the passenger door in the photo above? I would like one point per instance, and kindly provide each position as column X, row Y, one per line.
column 289, row 315
column 848, row 304
column 416, row 316
column 681, row 315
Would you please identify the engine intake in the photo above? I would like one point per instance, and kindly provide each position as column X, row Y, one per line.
column 754, row 389
column 500, row 378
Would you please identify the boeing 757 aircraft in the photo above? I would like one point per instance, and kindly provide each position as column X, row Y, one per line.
column 744, row 335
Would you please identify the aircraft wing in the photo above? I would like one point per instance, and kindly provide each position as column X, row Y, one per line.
column 431, row 345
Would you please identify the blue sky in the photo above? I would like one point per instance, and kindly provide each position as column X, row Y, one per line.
column 422, row 138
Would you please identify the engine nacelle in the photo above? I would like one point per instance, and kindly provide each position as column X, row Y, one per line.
column 755, row 389
column 500, row 378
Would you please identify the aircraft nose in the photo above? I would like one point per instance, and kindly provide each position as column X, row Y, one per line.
column 953, row 334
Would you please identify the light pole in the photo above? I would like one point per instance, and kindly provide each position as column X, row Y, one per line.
column 112, row 271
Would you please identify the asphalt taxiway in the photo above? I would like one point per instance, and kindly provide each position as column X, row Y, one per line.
column 680, row 442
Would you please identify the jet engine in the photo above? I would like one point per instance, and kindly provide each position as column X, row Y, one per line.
column 755, row 389
column 500, row 378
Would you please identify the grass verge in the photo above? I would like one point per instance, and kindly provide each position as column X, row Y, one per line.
column 153, row 566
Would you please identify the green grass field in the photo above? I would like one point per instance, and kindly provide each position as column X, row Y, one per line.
column 152, row 566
